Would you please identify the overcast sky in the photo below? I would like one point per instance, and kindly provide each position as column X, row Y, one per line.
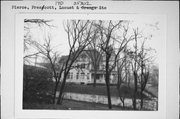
column 60, row 42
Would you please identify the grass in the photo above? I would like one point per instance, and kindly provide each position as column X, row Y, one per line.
column 100, row 90
column 44, row 101
column 89, row 89
column 71, row 105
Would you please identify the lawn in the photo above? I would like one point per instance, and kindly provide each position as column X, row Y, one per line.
column 70, row 105
column 99, row 90
column 41, row 103
column 89, row 89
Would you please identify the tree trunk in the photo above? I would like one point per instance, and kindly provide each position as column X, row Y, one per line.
column 141, row 99
column 59, row 101
column 122, row 99
column 95, row 76
column 142, row 84
column 135, row 90
column 123, row 104
column 54, row 95
column 107, row 84
column 108, row 94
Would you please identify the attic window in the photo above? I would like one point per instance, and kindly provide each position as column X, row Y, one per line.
column 83, row 57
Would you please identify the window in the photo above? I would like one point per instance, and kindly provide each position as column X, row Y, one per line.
column 83, row 58
column 78, row 66
column 87, row 66
column 68, row 76
column 97, row 76
column 57, row 74
column 77, row 76
column 102, row 66
column 87, row 76
column 82, row 75
column 71, row 75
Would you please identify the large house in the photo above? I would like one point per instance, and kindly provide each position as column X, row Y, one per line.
column 84, row 71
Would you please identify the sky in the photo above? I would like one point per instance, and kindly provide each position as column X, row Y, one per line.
column 150, row 27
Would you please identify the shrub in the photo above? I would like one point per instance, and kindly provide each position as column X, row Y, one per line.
column 36, row 85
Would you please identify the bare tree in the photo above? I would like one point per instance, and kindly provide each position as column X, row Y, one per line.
column 112, row 45
column 134, row 55
column 123, row 63
column 135, row 69
column 40, row 22
column 120, row 66
column 123, row 76
column 52, row 57
column 139, row 66
column 44, row 50
column 144, row 62
column 79, row 36
column 28, row 41
column 95, row 53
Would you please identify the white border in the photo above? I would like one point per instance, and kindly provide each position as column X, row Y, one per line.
column 168, row 8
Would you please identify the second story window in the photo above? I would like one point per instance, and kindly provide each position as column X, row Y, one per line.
column 87, row 66
column 102, row 67
column 83, row 66
column 83, row 58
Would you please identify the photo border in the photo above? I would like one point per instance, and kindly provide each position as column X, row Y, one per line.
column 168, row 8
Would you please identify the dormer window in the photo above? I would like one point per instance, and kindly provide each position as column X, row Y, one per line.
column 83, row 57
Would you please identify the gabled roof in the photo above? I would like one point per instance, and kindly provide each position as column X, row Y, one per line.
column 94, row 53
column 63, row 58
column 89, row 52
